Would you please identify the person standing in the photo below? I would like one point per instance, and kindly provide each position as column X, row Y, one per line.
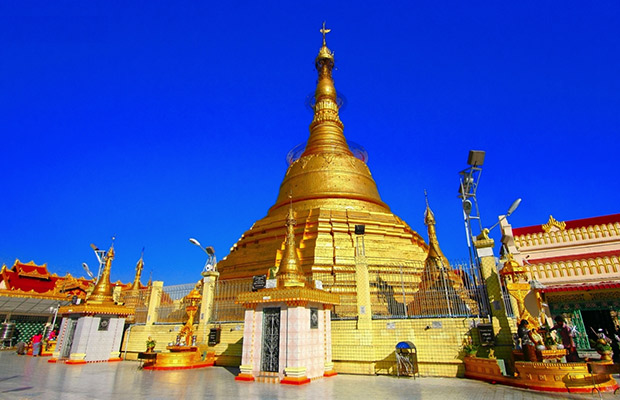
column 36, row 344
column 21, row 347
column 567, row 338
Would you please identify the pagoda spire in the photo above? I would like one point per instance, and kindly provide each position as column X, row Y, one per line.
column 102, row 293
column 434, row 251
column 327, row 174
column 139, row 266
column 289, row 273
column 326, row 129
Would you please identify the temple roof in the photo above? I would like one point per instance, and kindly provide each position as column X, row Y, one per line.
column 36, row 280
column 581, row 286
column 572, row 224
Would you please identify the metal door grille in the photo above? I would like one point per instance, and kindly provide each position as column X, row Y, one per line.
column 271, row 340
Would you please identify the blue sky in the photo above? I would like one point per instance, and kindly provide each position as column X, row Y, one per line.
column 156, row 122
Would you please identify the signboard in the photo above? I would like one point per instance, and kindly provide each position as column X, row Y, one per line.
column 314, row 318
column 104, row 323
column 214, row 336
column 487, row 337
column 259, row 282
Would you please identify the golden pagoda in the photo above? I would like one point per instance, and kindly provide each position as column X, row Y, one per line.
column 332, row 192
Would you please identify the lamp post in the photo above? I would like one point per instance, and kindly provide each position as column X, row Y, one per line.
column 211, row 263
column 210, row 275
column 481, row 254
column 55, row 311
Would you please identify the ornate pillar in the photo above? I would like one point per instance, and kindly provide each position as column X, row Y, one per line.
column 154, row 300
column 206, row 306
column 501, row 323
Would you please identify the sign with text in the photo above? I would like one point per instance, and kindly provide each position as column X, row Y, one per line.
column 259, row 282
column 487, row 337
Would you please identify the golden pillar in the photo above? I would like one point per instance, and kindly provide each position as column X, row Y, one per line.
column 206, row 307
column 364, row 311
column 502, row 327
column 154, row 300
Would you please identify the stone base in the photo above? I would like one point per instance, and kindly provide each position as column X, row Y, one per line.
column 329, row 370
column 245, row 374
column 75, row 362
column 245, row 378
column 180, row 360
column 295, row 381
column 295, row 376
column 546, row 377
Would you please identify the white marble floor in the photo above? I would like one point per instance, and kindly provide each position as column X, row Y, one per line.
column 23, row 377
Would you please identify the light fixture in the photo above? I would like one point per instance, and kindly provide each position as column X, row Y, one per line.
column 512, row 209
column 475, row 158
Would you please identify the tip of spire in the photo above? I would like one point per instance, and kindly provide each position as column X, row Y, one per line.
column 324, row 52
column 324, row 31
column 429, row 217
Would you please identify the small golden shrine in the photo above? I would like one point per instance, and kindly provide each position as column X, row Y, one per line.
column 92, row 331
column 183, row 354
column 287, row 335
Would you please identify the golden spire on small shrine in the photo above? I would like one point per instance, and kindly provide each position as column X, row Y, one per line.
column 289, row 273
column 139, row 266
column 102, row 293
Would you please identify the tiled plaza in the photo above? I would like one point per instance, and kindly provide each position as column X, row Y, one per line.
column 23, row 377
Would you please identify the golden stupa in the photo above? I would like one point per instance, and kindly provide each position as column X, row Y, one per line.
column 332, row 191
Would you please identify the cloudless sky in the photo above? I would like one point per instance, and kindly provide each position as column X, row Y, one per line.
column 159, row 121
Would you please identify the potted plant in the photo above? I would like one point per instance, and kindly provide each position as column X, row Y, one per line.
column 469, row 347
column 150, row 345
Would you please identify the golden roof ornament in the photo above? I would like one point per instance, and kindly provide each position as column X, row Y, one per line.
column 553, row 223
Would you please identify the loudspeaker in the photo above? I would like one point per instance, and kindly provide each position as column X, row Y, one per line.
column 360, row 229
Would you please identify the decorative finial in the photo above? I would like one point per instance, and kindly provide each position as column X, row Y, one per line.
column 290, row 220
column 324, row 31
column 429, row 217
column 289, row 272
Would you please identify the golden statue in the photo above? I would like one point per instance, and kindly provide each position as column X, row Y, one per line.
column 187, row 332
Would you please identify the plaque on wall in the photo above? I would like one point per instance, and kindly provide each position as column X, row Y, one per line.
column 314, row 318
column 487, row 338
column 104, row 323
column 214, row 336
column 258, row 282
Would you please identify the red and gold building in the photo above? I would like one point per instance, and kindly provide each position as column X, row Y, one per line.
column 578, row 264
column 29, row 294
